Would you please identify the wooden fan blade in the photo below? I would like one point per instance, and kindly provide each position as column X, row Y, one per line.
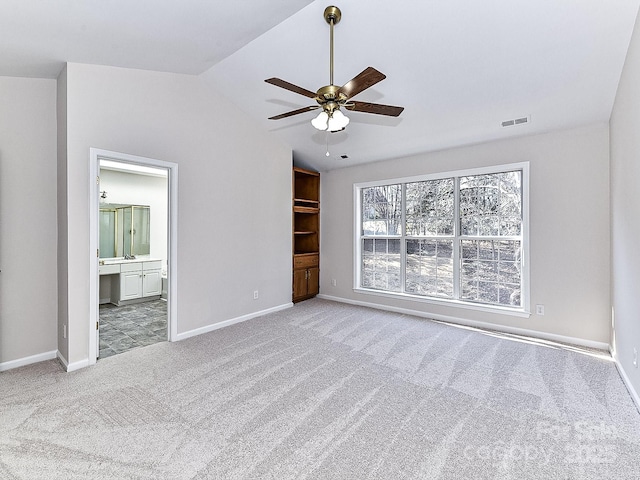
column 375, row 108
column 294, row 112
column 365, row 79
column 291, row 87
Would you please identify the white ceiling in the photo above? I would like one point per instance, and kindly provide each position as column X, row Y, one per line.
column 458, row 67
column 38, row 36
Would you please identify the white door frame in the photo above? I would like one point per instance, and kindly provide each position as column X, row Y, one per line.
column 95, row 155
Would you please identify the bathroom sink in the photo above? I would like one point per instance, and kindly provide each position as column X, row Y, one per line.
column 112, row 261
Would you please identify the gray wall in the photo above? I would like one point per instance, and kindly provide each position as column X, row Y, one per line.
column 625, row 213
column 569, row 228
column 234, row 225
column 28, row 293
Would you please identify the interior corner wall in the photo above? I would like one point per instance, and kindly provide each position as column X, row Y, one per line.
column 28, row 295
column 625, row 214
column 569, row 229
column 61, row 193
column 234, row 191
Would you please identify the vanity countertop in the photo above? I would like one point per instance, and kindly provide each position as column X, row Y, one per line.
column 120, row 260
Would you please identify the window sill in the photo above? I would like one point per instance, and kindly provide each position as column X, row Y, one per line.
column 513, row 312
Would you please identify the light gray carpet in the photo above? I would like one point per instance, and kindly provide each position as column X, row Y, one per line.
column 324, row 391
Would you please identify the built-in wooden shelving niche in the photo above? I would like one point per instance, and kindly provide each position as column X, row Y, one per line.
column 306, row 234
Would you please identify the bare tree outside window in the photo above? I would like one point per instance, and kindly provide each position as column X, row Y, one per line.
column 382, row 210
column 381, row 257
column 491, row 211
column 430, row 221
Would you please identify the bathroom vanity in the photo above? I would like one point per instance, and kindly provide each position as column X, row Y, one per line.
column 124, row 281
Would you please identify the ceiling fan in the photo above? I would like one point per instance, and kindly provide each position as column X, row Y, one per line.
column 331, row 97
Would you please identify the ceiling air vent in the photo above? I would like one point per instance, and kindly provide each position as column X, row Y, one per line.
column 516, row 121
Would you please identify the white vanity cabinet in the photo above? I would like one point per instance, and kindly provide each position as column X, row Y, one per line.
column 132, row 280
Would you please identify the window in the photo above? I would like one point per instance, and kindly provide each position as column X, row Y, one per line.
column 457, row 237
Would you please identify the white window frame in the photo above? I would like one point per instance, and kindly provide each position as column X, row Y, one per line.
column 525, row 308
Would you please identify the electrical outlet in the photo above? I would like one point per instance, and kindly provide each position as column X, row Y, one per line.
column 333, row 282
column 539, row 309
column 635, row 357
column 255, row 294
column 64, row 331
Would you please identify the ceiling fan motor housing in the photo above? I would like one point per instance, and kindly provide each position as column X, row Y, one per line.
column 329, row 97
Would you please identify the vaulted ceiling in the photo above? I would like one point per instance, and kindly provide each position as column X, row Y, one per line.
column 459, row 68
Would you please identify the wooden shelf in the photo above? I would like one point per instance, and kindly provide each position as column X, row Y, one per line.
column 305, row 259
column 300, row 209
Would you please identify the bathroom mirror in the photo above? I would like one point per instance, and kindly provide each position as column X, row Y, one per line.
column 124, row 230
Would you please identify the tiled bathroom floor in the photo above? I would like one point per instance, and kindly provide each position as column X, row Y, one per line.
column 131, row 326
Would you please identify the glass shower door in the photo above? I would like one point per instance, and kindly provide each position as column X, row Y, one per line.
column 107, row 233
column 140, row 231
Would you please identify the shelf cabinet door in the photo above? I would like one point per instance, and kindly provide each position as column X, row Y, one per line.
column 313, row 281
column 299, row 283
column 306, row 283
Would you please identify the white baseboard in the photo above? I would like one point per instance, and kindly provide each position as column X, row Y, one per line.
column 232, row 321
column 626, row 380
column 70, row 367
column 21, row 362
column 480, row 325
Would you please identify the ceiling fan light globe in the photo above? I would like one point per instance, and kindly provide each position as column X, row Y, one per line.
column 338, row 121
column 321, row 121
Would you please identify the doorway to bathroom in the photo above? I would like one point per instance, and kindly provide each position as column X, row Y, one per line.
column 133, row 288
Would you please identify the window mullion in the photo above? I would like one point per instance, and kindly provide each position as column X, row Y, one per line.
column 403, row 235
column 456, row 238
column 359, row 247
